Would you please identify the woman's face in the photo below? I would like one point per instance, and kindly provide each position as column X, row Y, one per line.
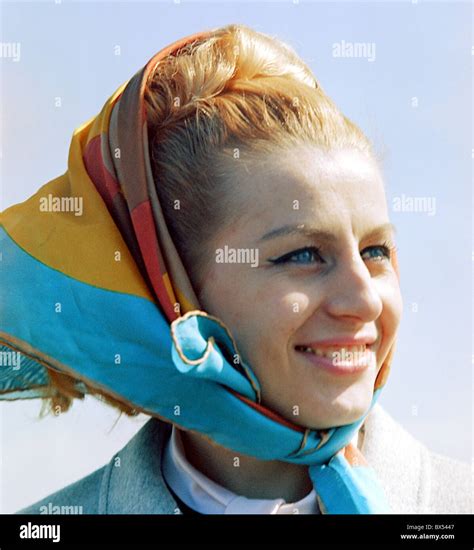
column 323, row 280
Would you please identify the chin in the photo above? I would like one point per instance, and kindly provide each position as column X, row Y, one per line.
column 339, row 412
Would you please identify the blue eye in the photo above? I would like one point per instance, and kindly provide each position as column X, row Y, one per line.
column 306, row 255
column 311, row 254
column 378, row 252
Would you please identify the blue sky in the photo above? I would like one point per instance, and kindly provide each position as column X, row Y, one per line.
column 423, row 51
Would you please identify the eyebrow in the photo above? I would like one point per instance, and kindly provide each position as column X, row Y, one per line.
column 323, row 236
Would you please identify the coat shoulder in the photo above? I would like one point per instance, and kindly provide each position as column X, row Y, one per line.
column 131, row 482
column 452, row 485
column 80, row 497
column 431, row 482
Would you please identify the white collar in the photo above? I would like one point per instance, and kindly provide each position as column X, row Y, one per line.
column 207, row 497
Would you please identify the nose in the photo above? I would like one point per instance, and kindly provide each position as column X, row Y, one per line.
column 353, row 293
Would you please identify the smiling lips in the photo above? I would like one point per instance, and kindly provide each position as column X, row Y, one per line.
column 339, row 359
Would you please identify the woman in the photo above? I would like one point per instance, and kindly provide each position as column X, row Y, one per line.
column 219, row 256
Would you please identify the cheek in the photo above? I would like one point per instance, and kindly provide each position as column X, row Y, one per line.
column 277, row 315
column 295, row 304
column 391, row 314
column 288, row 313
column 393, row 306
column 262, row 317
column 238, row 306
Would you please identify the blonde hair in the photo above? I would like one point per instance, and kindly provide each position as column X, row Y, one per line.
column 234, row 90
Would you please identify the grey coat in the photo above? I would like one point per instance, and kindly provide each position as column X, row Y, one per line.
column 415, row 479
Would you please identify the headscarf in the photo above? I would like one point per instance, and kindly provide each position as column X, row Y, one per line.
column 94, row 288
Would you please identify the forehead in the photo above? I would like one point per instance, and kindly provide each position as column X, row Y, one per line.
column 330, row 188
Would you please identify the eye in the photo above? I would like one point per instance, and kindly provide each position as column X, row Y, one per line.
column 378, row 252
column 305, row 255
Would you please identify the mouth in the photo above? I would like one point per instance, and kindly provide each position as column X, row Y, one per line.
column 340, row 360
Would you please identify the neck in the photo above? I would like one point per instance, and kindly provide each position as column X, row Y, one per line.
column 246, row 475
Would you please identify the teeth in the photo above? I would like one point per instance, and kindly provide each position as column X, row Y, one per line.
column 330, row 351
